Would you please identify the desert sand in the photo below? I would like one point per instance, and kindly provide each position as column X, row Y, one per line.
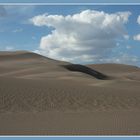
column 42, row 96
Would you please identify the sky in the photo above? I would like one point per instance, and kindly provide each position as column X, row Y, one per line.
column 76, row 33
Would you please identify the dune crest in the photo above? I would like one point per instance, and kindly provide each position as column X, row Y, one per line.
column 39, row 95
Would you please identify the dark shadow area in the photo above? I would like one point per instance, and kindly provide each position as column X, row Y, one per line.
column 86, row 70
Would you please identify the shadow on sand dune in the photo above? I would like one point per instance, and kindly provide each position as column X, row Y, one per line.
column 86, row 70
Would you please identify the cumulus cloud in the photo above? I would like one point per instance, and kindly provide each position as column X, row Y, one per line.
column 88, row 36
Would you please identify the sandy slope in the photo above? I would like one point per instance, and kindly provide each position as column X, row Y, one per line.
column 39, row 95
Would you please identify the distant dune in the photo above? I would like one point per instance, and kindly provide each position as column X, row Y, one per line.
column 39, row 95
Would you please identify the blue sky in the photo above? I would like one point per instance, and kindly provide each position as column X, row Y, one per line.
column 18, row 31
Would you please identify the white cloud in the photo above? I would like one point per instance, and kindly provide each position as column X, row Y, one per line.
column 138, row 19
column 137, row 37
column 88, row 36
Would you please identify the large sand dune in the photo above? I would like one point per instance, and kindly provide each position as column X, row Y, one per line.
column 39, row 95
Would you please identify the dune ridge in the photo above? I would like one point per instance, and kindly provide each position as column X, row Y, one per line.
column 100, row 97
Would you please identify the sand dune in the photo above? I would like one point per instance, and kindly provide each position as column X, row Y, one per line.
column 39, row 95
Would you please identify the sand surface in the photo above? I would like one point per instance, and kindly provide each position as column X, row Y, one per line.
column 39, row 95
